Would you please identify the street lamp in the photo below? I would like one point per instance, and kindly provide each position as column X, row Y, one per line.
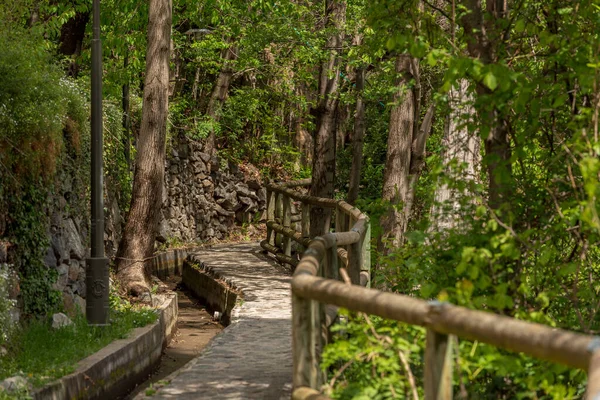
column 96, row 271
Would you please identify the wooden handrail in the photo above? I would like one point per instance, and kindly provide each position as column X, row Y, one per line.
column 312, row 287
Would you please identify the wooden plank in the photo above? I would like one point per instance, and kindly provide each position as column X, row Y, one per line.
column 340, row 220
column 278, row 217
column 270, row 215
column 438, row 366
column 287, row 223
column 305, row 221
column 354, row 257
column 365, row 265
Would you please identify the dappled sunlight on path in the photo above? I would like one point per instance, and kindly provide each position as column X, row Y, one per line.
column 251, row 358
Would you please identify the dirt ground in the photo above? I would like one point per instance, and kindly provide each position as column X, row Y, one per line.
column 195, row 328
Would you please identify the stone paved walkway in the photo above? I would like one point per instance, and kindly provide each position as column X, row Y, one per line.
column 251, row 358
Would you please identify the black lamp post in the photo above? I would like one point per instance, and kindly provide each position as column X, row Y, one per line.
column 96, row 272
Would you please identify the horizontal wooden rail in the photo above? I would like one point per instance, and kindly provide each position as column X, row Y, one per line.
column 533, row 339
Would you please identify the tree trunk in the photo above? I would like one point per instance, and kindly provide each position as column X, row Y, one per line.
column 126, row 118
column 396, row 179
column 325, row 137
column 485, row 39
column 357, row 137
column 219, row 95
column 461, row 146
column 137, row 243
column 71, row 39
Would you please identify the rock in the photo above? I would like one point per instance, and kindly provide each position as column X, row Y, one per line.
column 3, row 252
column 63, row 277
column 199, row 167
column 60, row 320
column 73, row 241
column 215, row 163
column 145, row 298
column 254, row 183
column 221, row 211
column 73, row 271
column 204, row 157
column 60, row 252
column 80, row 304
column 79, row 288
column 262, row 195
column 68, row 301
column 3, row 351
column 14, row 384
column 243, row 190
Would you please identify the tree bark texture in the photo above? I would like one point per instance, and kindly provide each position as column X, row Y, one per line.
column 461, row 147
column 126, row 118
column 325, row 136
column 219, row 94
column 357, row 137
column 396, row 177
column 485, row 40
column 137, row 244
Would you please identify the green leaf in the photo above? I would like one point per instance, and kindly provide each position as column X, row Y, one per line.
column 490, row 81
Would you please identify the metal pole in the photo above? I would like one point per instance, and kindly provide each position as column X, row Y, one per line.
column 96, row 273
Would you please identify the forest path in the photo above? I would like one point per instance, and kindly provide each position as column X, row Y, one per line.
column 252, row 357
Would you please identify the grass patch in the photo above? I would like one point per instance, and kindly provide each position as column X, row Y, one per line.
column 42, row 354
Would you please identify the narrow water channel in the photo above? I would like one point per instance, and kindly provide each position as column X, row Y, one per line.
column 195, row 328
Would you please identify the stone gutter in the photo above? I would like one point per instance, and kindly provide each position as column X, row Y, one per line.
column 217, row 290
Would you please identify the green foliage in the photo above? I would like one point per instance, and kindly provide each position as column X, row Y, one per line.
column 39, row 111
column 33, row 107
column 28, row 233
column 368, row 364
column 43, row 354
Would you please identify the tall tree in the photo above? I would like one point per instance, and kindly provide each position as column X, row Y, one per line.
column 396, row 182
column 460, row 155
column 219, row 93
column 357, row 137
column 137, row 243
column 325, row 136
column 485, row 35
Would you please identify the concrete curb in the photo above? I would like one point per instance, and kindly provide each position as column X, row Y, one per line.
column 116, row 369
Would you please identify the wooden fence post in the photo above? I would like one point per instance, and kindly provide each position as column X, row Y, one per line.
column 341, row 224
column 354, row 258
column 287, row 223
column 365, row 265
column 278, row 218
column 593, row 387
column 438, row 366
column 304, row 343
column 305, row 220
column 270, row 215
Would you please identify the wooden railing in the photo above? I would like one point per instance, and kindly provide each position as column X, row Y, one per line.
column 315, row 283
